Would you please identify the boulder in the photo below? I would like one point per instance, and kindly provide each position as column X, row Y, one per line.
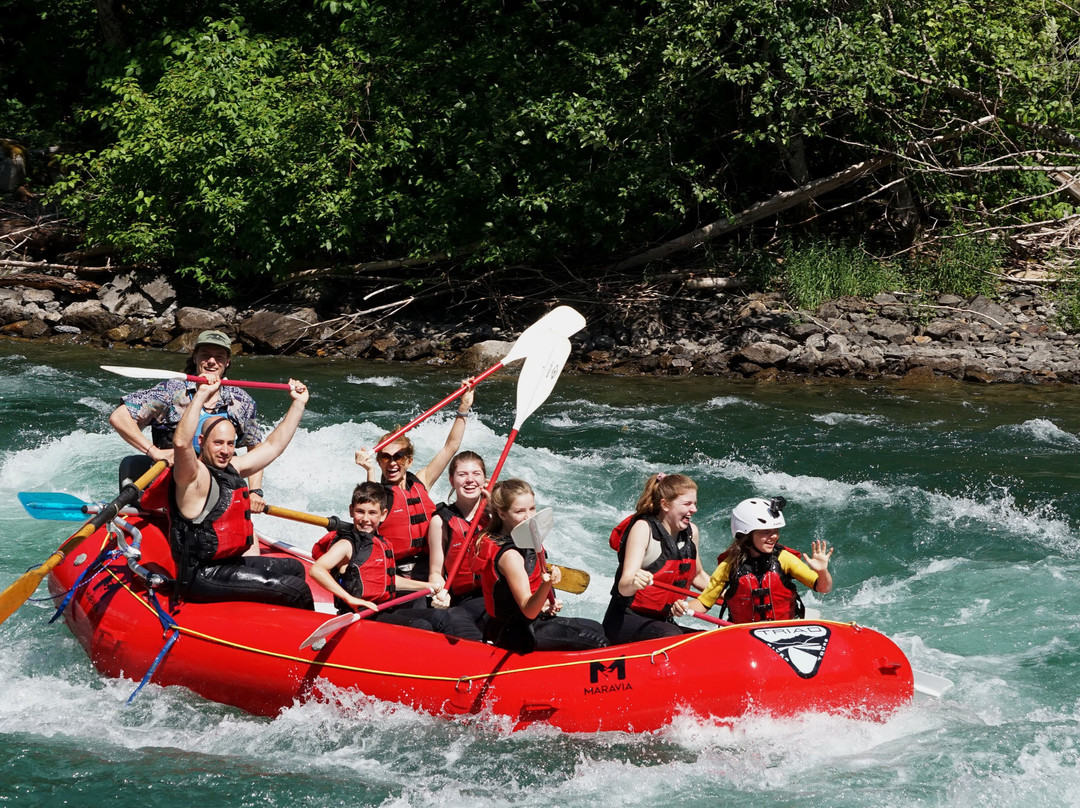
column 90, row 315
column 281, row 328
column 191, row 318
column 890, row 331
column 987, row 307
column 159, row 291
column 483, row 355
column 763, row 353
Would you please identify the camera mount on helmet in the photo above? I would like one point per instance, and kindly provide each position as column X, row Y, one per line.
column 776, row 505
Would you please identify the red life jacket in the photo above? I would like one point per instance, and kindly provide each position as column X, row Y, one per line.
column 405, row 526
column 369, row 573
column 223, row 529
column 760, row 590
column 455, row 528
column 674, row 566
column 499, row 601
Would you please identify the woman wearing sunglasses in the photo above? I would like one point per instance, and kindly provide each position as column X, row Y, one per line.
column 406, row 526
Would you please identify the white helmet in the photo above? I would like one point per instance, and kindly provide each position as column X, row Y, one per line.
column 757, row 514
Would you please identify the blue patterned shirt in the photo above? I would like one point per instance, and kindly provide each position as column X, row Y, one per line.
column 161, row 408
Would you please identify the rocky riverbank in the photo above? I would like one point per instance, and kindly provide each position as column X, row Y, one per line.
column 1011, row 339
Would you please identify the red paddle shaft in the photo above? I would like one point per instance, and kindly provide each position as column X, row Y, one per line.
column 688, row 593
column 231, row 383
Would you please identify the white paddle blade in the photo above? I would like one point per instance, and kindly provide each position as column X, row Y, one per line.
column 538, row 376
column 931, row 685
column 530, row 534
column 331, row 626
column 144, row 373
column 563, row 321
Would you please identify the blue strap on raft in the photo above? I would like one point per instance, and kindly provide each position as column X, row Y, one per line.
column 172, row 629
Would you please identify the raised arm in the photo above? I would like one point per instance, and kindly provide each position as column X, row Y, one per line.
column 430, row 473
column 189, row 474
column 261, row 456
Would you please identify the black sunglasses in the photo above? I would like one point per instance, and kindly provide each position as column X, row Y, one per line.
column 397, row 457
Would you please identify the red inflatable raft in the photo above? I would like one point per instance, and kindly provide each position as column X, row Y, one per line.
column 248, row 655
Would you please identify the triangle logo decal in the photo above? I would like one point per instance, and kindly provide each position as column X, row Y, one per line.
column 802, row 647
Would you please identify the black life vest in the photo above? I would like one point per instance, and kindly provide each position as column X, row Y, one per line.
column 405, row 526
column 455, row 528
column 760, row 590
column 674, row 566
column 369, row 574
column 499, row 601
column 223, row 529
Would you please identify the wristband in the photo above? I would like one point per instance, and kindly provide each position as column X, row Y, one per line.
column 146, row 451
column 256, row 491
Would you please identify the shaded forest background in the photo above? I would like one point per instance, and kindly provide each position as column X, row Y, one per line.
column 442, row 151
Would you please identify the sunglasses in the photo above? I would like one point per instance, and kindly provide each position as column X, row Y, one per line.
column 397, row 457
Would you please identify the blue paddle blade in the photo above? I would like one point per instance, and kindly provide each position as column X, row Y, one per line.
column 53, row 505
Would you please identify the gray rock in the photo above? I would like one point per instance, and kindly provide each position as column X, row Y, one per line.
column 800, row 331
column 159, row 291
column 988, row 308
column 191, row 318
column 763, row 353
column 38, row 296
column 134, row 304
column 938, row 329
column 483, row 355
column 90, row 315
column 285, row 328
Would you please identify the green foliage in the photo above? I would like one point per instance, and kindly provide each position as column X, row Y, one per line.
column 966, row 266
column 1067, row 299
column 822, row 270
column 237, row 140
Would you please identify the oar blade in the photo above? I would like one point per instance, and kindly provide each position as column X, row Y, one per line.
column 331, row 626
column 572, row 580
column 539, row 375
column 563, row 321
column 23, row 587
column 53, row 505
column 143, row 373
column 930, row 684
column 530, row 534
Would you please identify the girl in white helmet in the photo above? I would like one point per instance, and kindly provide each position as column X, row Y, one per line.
column 756, row 577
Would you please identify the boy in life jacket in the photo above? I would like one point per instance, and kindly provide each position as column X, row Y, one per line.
column 411, row 506
column 756, row 576
column 656, row 544
column 211, row 534
column 356, row 565
column 517, row 588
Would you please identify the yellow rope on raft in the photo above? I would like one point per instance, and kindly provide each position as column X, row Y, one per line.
column 685, row 639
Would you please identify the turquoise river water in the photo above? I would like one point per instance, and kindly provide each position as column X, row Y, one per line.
column 955, row 512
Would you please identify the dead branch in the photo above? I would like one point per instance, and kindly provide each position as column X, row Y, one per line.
column 757, row 211
column 36, row 281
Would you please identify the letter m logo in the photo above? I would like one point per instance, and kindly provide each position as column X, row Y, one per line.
column 598, row 669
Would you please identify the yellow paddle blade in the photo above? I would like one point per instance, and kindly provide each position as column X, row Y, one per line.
column 573, row 581
column 17, row 594
column 24, row 586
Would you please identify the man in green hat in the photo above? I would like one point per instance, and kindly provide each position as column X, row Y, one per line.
column 162, row 406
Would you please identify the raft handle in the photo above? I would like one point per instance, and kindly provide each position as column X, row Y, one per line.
column 888, row 668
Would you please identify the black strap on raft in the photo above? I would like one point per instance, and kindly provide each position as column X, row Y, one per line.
column 172, row 629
